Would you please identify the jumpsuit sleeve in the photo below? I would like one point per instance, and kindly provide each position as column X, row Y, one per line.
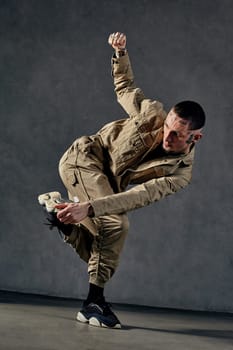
column 130, row 97
column 143, row 194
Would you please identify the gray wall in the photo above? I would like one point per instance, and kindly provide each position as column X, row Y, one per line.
column 56, row 86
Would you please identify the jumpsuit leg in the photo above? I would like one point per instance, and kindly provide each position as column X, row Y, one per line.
column 100, row 240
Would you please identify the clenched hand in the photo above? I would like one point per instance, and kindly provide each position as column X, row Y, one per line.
column 72, row 213
column 117, row 41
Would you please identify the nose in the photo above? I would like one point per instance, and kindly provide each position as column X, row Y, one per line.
column 168, row 137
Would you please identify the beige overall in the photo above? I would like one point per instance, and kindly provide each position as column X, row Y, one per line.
column 98, row 169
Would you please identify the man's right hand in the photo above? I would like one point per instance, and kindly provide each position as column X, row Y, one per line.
column 72, row 213
column 117, row 41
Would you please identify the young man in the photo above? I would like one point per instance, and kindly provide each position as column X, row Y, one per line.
column 150, row 149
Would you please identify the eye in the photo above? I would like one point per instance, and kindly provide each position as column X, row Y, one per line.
column 174, row 133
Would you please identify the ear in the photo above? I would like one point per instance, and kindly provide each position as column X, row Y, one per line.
column 197, row 137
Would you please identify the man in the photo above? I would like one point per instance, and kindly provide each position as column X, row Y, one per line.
column 149, row 149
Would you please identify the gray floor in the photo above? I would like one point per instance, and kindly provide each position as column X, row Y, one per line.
column 36, row 322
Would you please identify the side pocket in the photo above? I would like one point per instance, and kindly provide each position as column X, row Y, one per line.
column 67, row 167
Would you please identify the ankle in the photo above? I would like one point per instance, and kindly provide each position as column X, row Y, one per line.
column 95, row 295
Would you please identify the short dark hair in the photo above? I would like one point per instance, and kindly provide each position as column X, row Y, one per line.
column 192, row 112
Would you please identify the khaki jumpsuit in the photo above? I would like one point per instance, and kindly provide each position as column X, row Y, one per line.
column 98, row 169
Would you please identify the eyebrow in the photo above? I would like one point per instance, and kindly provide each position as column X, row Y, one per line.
column 178, row 133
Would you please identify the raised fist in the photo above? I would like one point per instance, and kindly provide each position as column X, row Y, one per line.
column 117, row 41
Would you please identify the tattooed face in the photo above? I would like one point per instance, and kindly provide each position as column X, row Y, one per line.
column 177, row 136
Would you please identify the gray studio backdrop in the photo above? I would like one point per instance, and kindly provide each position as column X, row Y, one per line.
column 56, row 85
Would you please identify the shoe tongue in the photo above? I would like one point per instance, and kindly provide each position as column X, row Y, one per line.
column 100, row 301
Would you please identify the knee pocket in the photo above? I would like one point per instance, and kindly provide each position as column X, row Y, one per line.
column 122, row 222
column 113, row 224
column 67, row 173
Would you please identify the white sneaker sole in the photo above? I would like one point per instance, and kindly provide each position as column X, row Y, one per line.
column 49, row 200
column 81, row 318
column 94, row 322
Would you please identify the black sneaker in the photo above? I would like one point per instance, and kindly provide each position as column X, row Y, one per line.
column 49, row 200
column 99, row 315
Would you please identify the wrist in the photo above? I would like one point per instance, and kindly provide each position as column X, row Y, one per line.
column 120, row 52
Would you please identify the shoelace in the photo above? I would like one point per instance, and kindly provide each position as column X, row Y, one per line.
column 106, row 307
